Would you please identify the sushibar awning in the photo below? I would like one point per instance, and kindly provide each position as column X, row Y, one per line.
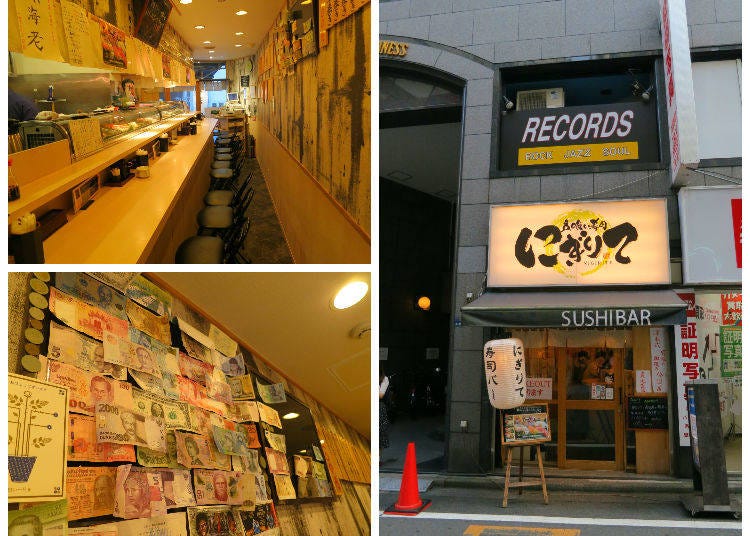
column 621, row 308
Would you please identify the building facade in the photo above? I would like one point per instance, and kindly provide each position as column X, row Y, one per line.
column 568, row 107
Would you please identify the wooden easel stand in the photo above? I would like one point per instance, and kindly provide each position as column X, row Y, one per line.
column 520, row 483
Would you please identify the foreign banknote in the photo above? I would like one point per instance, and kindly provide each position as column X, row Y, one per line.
column 277, row 462
column 258, row 519
column 74, row 348
column 242, row 387
column 145, row 293
column 269, row 415
column 223, row 342
column 115, row 424
column 223, row 487
column 83, row 446
column 284, row 487
column 232, row 366
column 247, row 464
column 217, row 388
column 124, row 353
column 193, row 450
column 42, row 519
column 90, row 491
column 85, row 318
column 94, row 292
column 230, row 441
column 276, row 441
column 214, row 521
column 244, row 411
column 302, row 465
column 174, row 413
column 194, row 369
column 272, row 394
column 138, row 493
column 178, row 487
column 197, row 350
column 86, row 389
column 149, row 323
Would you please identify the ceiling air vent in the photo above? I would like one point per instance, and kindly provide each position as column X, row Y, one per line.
column 540, row 98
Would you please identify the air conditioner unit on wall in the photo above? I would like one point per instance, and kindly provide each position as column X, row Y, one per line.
column 540, row 98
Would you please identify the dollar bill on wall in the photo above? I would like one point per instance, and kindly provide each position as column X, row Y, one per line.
column 262, row 489
column 83, row 317
column 83, row 446
column 138, row 493
column 230, row 441
column 44, row 519
column 214, row 521
column 37, row 432
column 74, row 348
column 86, row 389
column 174, row 413
column 153, row 458
column 217, row 388
column 277, row 462
column 269, row 415
column 193, row 450
column 194, row 369
column 258, row 519
column 232, row 365
column 116, row 424
column 178, row 488
column 123, row 352
column 149, row 323
column 90, row 491
column 272, row 394
column 92, row 291
column 242, row 387
column 276, row 441
column 284, row 487
column 223, row 342
column 302, row 465
column 244, row 411
column 145, row 293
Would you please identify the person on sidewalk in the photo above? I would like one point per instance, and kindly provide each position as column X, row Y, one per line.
column 383, row 413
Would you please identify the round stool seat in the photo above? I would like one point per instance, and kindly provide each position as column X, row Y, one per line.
column 200, row 250
column 218, row 198
column 216, row 217
column 222, row 173
column 219, row 164
column 221, row 156
column 223, row 150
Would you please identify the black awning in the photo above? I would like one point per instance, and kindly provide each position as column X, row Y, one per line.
column 611, row 309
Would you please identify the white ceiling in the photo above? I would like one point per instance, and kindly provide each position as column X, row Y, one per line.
column 429, row 153
column 287, row 319
column 218, row 16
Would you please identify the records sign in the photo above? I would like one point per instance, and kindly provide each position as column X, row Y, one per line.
column 579, row 135
column 587, row 243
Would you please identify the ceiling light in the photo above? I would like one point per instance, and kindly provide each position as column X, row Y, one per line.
column 423, row 302
column 239, row 33
column 186, row 1
column 322, row 441
column 211, row 51
column 238, row 45
column 200, row 27
column 303, row 451
column 206, row 42
column 351, row 294
column 291, row 415
column 241, row 12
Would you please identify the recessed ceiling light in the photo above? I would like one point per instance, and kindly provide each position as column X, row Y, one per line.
column 241, row 12
column 210, row 57
column 239, row 33
column 211, row 51
column 206, row 42
column 290, row 415
column 351, row 294
column 200, row 27
column 186, row 1
column 238, row 45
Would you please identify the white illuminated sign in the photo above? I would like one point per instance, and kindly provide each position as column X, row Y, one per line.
column 588, row 243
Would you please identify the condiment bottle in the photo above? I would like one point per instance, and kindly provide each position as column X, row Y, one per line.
column 14, row 190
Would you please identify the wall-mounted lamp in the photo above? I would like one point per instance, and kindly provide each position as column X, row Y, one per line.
column 423, row 303
column 508, row 103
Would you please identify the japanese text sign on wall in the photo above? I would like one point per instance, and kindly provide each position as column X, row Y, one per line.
column 658, row 337
column 686, row 348
column 591, row 243
column 38, row 38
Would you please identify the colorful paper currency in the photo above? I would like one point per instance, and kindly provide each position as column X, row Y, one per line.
column 94, row 292
column 90, row 491
column 124, row 353
column 174, row 413
column 149, row 323
column 242, row 387
column 269, row 415
column 223, row 487
column 233, row 366
column 154, row 458
column 251, row 431
column 81, row 316
column 195, row 394
column 196, row 350
column 110, row 529
column 193, row 450
column 284, row 487
column 262, row 489
column 230, row 441
column 276, row 441
column 217, row 388
column 214, row 521
column 115, row 424
column 277, row 462
column 116, row 280
column 302, row 465
column 178, row 488
column 223, row 343
column 166, row 355
column 83, row 446
column 86, row 389
column 138, row 493
column 317, row 453
column 172, row 524
column 194, row 369
column 247, row 464
column 74, row 348
column 43, row 519
column 145, row 293
column 149, row 383
column 258, row 519
column 194, row 333
column 319, row 470
column 272, row 394
column 244, row 411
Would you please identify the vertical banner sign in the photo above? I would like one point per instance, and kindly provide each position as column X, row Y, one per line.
column 76, row 25
column 686, row 347
column 643, row 381
column 658, row 359
column 35, row 27
column 731, row 351
column 113, row 45
column 737, row 228
column 678, row 73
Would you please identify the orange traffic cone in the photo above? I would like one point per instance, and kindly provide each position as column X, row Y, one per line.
column 409, row 503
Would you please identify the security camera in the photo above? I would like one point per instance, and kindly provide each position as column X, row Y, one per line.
column 508, row 103
column 646, row 95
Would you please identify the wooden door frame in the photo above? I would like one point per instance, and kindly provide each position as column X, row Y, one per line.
column 616, row 405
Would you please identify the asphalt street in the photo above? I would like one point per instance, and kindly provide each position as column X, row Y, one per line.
column 478, row 512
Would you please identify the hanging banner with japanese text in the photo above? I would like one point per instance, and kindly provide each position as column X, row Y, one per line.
column 587, row 243
column 686, row 348
column 658, row 359
column 36, row 29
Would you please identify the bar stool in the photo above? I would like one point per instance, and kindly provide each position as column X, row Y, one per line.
column 201, row 250
column 215, row 219
column 221, row 164
column 223, row 156
column 222, row 178
column 229, row 196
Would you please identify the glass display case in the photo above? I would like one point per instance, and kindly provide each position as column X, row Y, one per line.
column 171, row 108
column 121, row 122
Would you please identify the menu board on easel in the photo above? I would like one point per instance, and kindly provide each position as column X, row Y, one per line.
column 525, row 425
column 152, row 18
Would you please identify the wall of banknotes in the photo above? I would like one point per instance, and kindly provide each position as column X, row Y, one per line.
column 130, row 413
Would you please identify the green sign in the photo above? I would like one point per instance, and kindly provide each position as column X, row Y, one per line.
column 731, row 351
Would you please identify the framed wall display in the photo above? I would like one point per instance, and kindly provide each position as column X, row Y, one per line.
column 37, row 433
column 152, row 18
column 526, row 425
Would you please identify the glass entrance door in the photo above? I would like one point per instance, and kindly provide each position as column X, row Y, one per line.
column 590, row 415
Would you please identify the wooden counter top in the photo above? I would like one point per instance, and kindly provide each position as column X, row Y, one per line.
column 47, row 188
column 123, row 223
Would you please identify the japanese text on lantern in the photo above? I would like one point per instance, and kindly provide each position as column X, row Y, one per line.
column 519, row 370
column 491, row 370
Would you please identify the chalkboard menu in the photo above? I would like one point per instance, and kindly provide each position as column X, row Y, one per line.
column 647, row 413
column 526, row 424
column 152, row 18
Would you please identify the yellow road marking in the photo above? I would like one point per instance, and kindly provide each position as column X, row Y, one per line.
column 493, row 530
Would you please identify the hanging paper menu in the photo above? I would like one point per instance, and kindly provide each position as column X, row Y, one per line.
column 113, row 45
column 76, row 27
column 36, row 29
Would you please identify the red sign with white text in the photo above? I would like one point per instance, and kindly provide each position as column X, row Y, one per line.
column 737, row 226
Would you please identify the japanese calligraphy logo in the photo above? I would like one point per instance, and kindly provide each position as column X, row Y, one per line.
column 576, row 243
